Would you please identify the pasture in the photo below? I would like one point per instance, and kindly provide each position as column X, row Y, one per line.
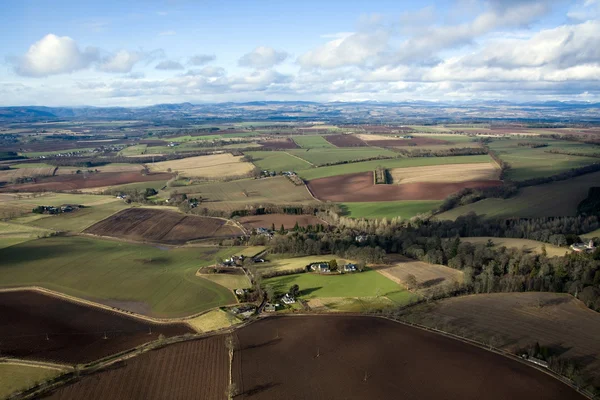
column 449, row 173
column 235, row 279
column 312, row 142
column 277, row 161
column 11, row 233
column 591, row 235
column 142, row 278
column 554, row 199
column 211, row 166
column 276, row 263
column 404, row 209
column 528, row 246
column 326, row 156
column 79, row 220
column 16, row 377
column 212, row 321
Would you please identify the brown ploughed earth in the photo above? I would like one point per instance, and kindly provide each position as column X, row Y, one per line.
column 75, row 332
column 416, row 141
column 85, row 180
column 279, row 144
column 348, row 357
column 196, row 369
column 359, row 187
column 163, row 226
column 288, row 221
column 345, row 141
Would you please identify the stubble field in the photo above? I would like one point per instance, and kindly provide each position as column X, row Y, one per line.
column 211, row 166
column 449, row 173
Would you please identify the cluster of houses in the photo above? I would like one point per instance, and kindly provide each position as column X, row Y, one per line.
column 55, row 210
column 238, row 261
column 323, row 267
column 583, row 247
column 264, row 232
column 267, row 173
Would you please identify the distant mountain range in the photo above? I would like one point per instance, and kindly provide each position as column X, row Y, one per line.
column 340, row 112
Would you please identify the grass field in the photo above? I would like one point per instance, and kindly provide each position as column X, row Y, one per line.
column 290, row 264
column 17, row 377
column 229, row 281
column 549, row 200
column 212, row 321
column 135, row 150
column 146, row 278
column 450, row 173
column 322, row 156
column 211, row 166
column 11, row 234
column 17, row 205
column 365, row 166
column 79, row 220
column 529, row 162
column 591, row 235
column 312, row 142
column 277, row 161
column 529, row 246
column 404, row 209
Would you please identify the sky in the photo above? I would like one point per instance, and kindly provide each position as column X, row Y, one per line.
column 137, row 53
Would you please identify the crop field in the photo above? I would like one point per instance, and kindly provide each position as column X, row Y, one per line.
column 18, row 377
column 211, row 166
column 162, row 226
column 529, row 162
column 515, row 320
column 366, row 166
column 277, row 220
column 236, row 195
column 79, row 220
column 135, row 150
column 232, row 278
column 427, row 275
column 449, row 173
column 146, row 279
column 312, row 142
column 212, row 321
column 29, row 172
column 554, row 199
column 528, row 246
column 345, row 141
column 29, row 316
column 11, row 233
column 277, row 161
column 325, row 156
column 349, row 357
column 85, row 181
column 189, row 370
column 404, row 209
column 279, row 144
column 360, row 187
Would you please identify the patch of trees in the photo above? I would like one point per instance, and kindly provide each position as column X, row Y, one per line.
column 355, row 160
column 573, row 153
column 465, row 151
column 591, row 204
column 472, row 195
column 381, row 176
column 532, row 145
column 9, row 155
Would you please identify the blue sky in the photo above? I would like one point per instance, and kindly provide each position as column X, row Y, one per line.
column 139, row 53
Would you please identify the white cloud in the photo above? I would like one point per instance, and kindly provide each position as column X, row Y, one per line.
column 201, row 59
column 168, row 65
column 54, row 55
column 209, row 72
column 121, row 62
column 262, row 57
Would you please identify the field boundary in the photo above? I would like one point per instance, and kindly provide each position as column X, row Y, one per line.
column 301, row 159
column 33, row 363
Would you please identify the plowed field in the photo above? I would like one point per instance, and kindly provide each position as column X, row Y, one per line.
column 345, row 141
column 360, row 188
column 162, row 226
column 75, row 332
column 344, row 357
column 279, row 144
column 288, row 221
column 449, row 173
column 191, row 370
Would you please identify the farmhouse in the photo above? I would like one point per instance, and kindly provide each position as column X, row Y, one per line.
column 350, row 267
column 288, row 299
column 320, row 267
column 583, row 247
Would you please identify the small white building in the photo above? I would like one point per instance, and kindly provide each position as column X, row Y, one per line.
column 288, row 299
column 583, row 248
column 350, row 267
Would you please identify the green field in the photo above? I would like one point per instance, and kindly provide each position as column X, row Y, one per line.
column 33, row 154
column 16, row 377
column 325, row 156
column 591, row 235
column 404, row 209
column 135, row 150
column 529, row 163
column 18, row 205
column 161, row 280
column 11, row 234
column 229, row 281
column 312, row 142
column 79, row 220
column 557, row 199
column 363, row 284
column 365, row 166
column 277, row 161
column 294, row 263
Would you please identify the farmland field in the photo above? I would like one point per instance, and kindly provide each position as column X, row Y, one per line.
column 277, row 161
column 345, row 141
column 189, row 370
column 211, row 166
column 529, row 246
column 514, row 320
column 11, row 233
column 360, row 187
column 28, row 316
column 162, row 226
column 230, row 278
column 591, row 235
column 279, row 144
column 449, row 173
column 365, row 166
column 294, row 263
column 325, row 156
column 312, row 142
column 345, row 357
column 212, row 320
column 554, row 199
column 28, row 172
column 145, row 279
column 427, row 275
column 81, row 219
column 404, row 209
column 17, row 377
column 287, row 220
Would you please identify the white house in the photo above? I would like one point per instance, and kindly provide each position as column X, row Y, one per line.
column 288, row 299
column 350, row 267
column 583, row 248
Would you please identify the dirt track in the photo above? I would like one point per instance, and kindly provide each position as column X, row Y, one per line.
column 344, row 357
column 359, row 187
column 75, row 332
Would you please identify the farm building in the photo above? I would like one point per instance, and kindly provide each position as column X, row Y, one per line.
column 320, row 267
column 583, row 248
column 288, row 299
column 350, row 267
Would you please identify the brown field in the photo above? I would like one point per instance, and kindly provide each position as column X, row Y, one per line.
column 85, row 181
column 279, row 144
column 516, row 320
column 449, row 173
column 345, row 141
column 211, row 166
column 288, row 221
column 528, row 246
column 390, row 141
column 347, row 357
column 359, row 187
column 163, row 226
column 195, row 369
column 427, row 275
column 7, row 176
column 103, row 168
column 75, row 332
